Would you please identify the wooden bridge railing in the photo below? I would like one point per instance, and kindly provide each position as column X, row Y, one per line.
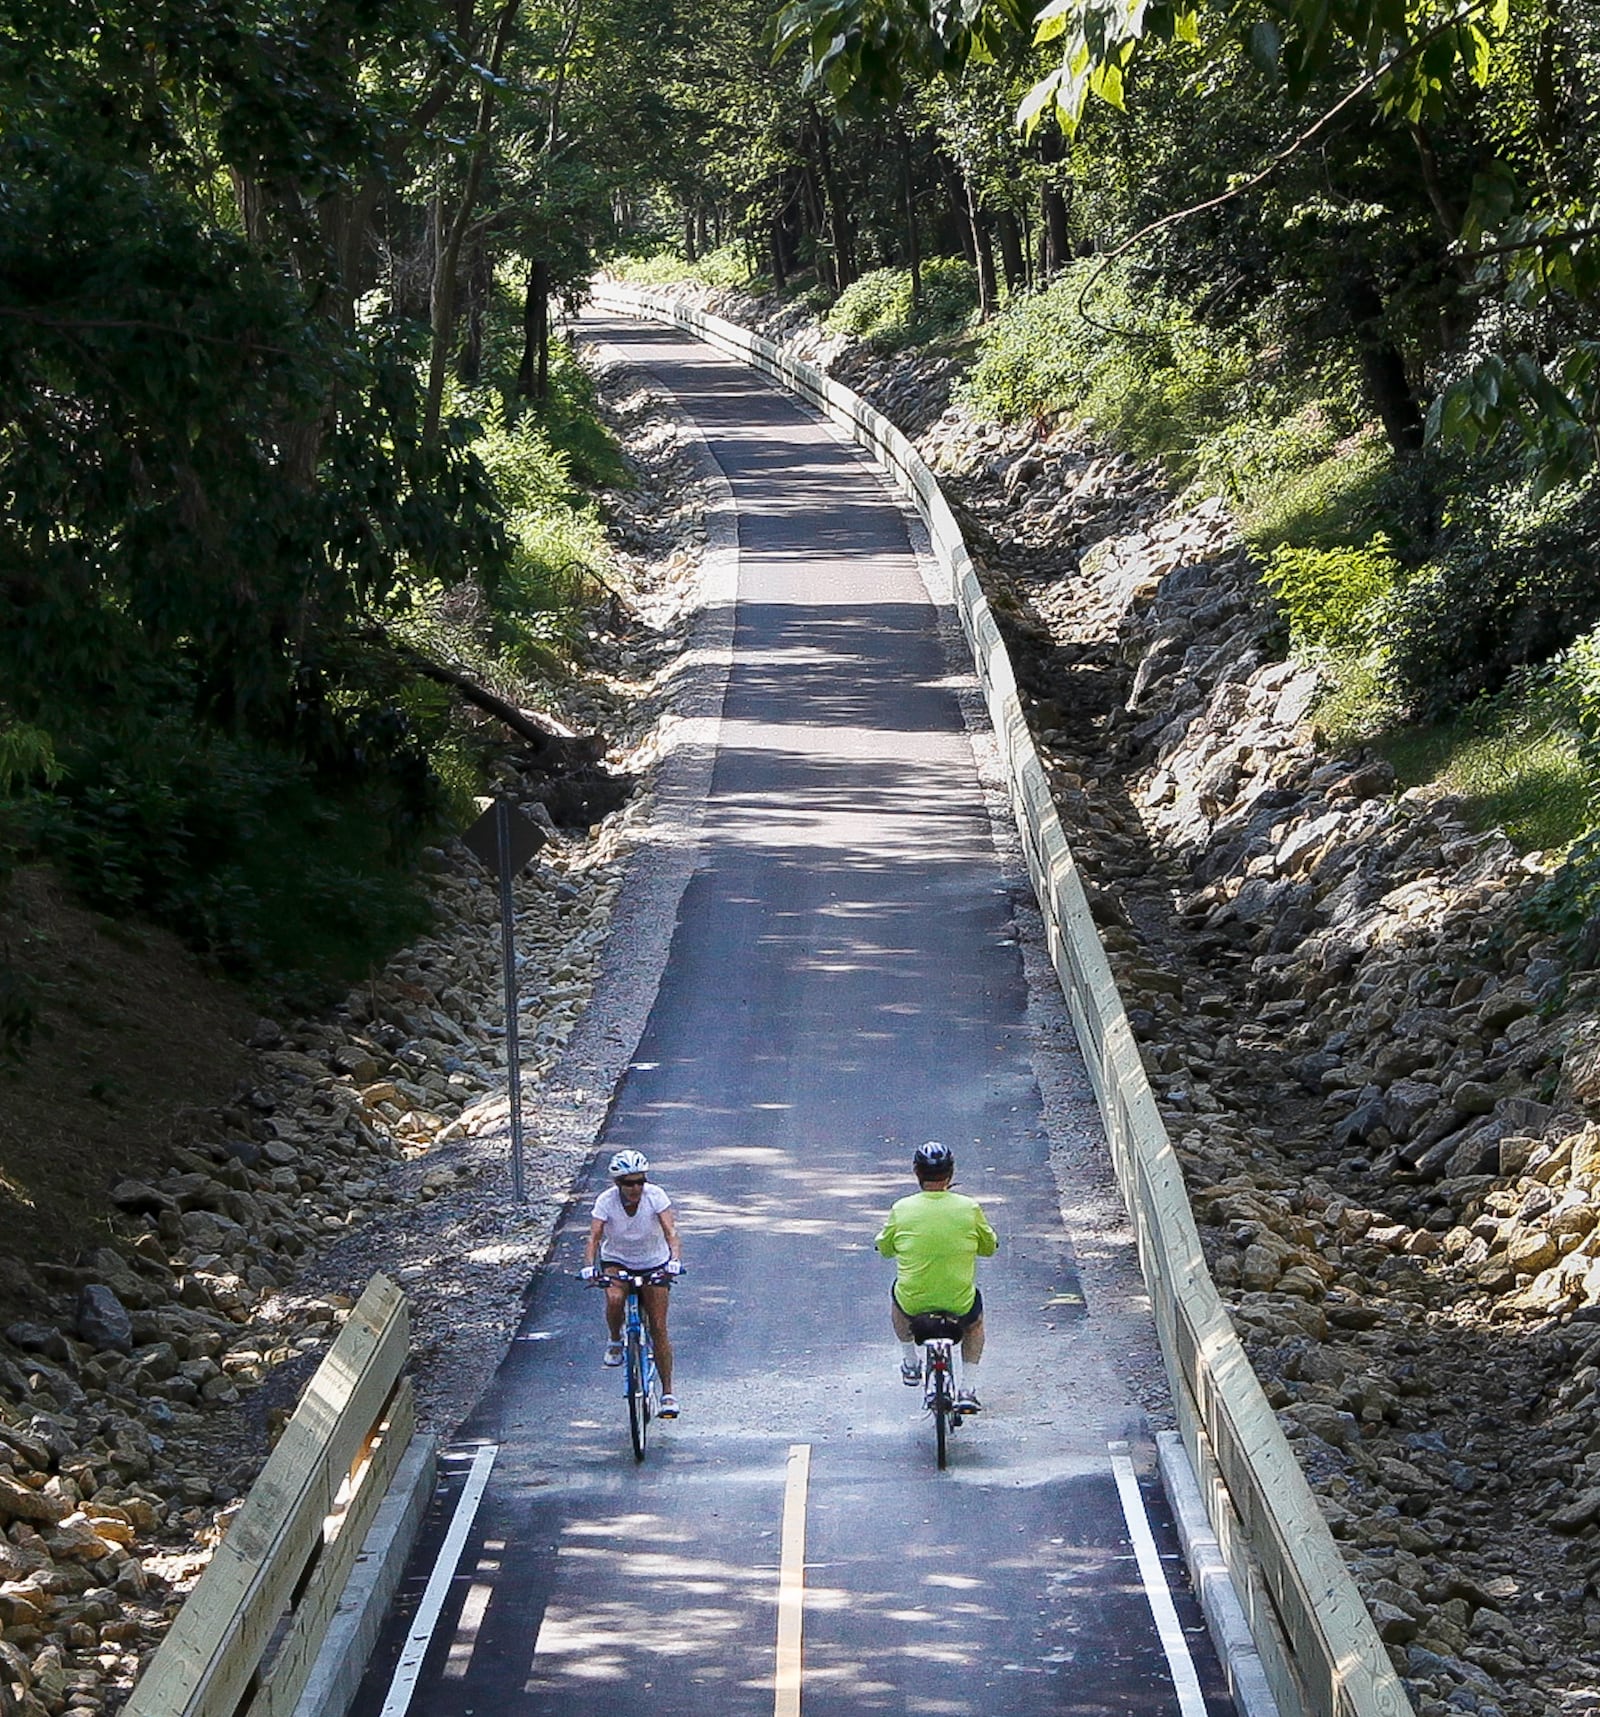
column 245, row 1640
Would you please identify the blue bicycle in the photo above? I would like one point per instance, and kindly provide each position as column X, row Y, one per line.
column 641, row 1383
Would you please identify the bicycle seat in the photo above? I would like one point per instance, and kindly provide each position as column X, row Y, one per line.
column 935, row 1326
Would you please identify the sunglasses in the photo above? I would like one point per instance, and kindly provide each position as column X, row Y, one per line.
column 630, row 1180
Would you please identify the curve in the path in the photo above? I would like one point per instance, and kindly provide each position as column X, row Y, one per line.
column 843, row 982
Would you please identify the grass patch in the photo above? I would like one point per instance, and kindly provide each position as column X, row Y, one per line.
column 1505, row 759
column 1339, row 499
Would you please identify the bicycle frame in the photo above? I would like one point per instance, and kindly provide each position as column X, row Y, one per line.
column 641, row 1382
column 939, row 1377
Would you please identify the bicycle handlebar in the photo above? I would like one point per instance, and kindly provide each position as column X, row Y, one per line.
column 632, row 1278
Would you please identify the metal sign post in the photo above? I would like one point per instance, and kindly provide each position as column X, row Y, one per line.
column 503, row 842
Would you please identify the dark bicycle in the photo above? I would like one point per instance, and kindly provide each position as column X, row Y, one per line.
column 641, row 1383
column 937, row 1333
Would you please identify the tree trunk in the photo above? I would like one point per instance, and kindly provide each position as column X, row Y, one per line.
column 1383, row 368
column 1055, row 244
column 1011, row 253
column 987, row 294
column 838, row 215
column 443, row 317
column 690, row 251
column 913, row 238
column 533, row 373
column 554, row 745
column 480, row 283
column 956, row 191
column 827, row 273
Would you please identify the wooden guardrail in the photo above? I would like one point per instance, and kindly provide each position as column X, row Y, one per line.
column 244, row 1642
column 1318, row 1644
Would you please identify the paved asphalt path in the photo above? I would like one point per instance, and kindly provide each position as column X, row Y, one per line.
column 843, row 983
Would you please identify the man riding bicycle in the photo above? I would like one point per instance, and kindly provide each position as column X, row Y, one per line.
column 936, row 1237
column 632, row 1228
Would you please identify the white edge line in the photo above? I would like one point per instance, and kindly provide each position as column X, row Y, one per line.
column 791, row 1583
column 1186, row 1682
column 415, row 1649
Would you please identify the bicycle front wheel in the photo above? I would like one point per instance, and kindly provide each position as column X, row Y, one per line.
column 638, row 1395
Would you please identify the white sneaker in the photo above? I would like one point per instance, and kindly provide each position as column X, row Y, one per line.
column 613, row 1355
column 911, row 1372
column 669, row 1407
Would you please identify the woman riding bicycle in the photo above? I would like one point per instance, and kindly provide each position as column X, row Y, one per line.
column 936, row 1237
column 632, row 1228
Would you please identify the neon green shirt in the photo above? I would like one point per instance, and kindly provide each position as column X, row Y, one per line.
column 937, row 1239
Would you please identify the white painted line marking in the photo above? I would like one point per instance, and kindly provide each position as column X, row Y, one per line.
column 791, row 1583
column 406, row 1671
column 1191, row 1702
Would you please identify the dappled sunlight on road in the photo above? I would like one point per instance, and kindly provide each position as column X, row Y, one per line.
column 709, row 1619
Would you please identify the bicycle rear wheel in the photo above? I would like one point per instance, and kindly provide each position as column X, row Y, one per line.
column 942, row 1404
column 638, row 1395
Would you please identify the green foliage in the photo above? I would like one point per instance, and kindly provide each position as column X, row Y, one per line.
column 1356, row 704
column 1335, row 599
column 294, row 881
column 878, row 300
column 1570, row 683
column 1511, row 586
column 26, row 753
column 878, row 307
column 1568, row 904
column 1132, row 362
column 728, row 266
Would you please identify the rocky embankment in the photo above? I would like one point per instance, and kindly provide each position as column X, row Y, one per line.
column 139, row 1385
column 1382, row 1081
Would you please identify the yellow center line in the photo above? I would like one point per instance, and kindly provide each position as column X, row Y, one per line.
column 791, row 1583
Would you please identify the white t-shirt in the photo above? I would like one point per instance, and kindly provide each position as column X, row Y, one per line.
column 636, row 1242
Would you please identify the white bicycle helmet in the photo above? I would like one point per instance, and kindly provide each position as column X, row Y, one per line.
column 628, row 1162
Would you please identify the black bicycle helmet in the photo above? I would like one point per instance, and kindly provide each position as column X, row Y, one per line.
column 933, row 1161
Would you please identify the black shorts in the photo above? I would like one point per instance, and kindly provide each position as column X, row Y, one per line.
column 925, row 1325
column 634, row 1270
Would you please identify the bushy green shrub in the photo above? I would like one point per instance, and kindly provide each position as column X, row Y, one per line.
column 1322, row 502
column 949, row 297
column 878, row 307
column 1334, row 599
column 876, row 301
column 1356, row 704
column 1151, row 380
column 25, row 753
column 1512, row 585
column 293, row 879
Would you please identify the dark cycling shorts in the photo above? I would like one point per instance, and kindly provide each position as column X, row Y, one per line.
column 634, row 1270
column 921, row 1321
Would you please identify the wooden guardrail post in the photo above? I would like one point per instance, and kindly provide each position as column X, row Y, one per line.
column 244, row 1641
